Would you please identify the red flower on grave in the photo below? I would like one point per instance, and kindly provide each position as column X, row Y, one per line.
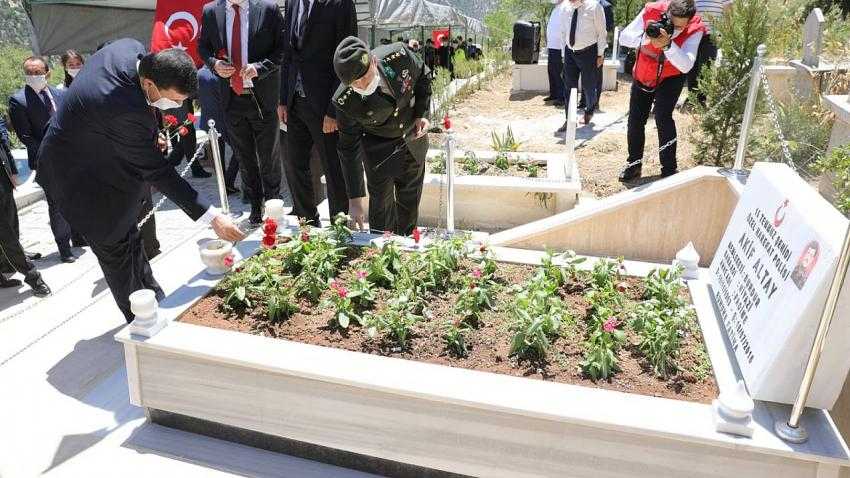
column 622, row 286
column 610, row 325
column 305, row 236
column 183, row 131
column 170, row 120
column 416, row 235
column 476, row 273
column 270, row 227
column 269, row 241
column 191, row 118
column 228, row 261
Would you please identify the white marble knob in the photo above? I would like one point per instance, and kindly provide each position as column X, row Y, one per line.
column 688, row 258
column 144, row 305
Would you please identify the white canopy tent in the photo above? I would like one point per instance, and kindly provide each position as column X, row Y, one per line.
column 392, row 16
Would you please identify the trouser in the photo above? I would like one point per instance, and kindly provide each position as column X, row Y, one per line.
column 148, row 232
column 581, row 63
column 303, row 130
column 126, row 269
column 12, row 256
column 253, row 137
column 706, row 54
column 58, row 224
column 394, row 199
column 640, row 104
column 232, row 167
column 583, row 102
column 556, row 71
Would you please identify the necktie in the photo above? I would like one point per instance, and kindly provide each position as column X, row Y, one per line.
column 573, row 25
column 236, row 51
column 303, row 13
column 47, row 102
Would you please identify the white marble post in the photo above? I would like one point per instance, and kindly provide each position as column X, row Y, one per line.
column 813, row 38
column 570, row 133
column 147, row 322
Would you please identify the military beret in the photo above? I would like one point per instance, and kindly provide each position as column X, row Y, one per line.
column 351, row 60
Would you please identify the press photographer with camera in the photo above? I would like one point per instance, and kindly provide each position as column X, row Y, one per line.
column 666, row 36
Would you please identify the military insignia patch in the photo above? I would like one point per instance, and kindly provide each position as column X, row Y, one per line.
column 405, row 84
column 389, row 72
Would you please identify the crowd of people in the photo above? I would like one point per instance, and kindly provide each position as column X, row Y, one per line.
column 277, row 84
column 672, row 41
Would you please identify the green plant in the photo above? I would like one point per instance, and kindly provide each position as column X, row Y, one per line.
column 279, row 304
column 600, row 357
column 665, row 286
column 438, row 164
column 454, row 336
column 339, row 230
column 660, row 332
column 605, row 273
column 837, row 164
column 555, row 273
column 382, row 266
column 396, row 321
column 532, row 168
column 571, row 264
column 537, row 314
column 487, row 262
column 739, row 32
column 504, row 143
column 361, row 291
column 341, row 302
column 502, row 161
column 475, row 297
column 470, row 164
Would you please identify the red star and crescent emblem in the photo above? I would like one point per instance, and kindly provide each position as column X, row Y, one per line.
column 779, row 215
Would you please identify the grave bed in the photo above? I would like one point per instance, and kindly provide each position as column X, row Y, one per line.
column 495, row 201
column 406, row 418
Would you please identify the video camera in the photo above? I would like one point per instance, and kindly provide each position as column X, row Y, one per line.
column 653, row 29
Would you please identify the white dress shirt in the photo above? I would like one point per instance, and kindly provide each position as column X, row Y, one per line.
column 590, row 27
column 309, row 11
column 244, row 7
column 554, row 35
column 682, row 58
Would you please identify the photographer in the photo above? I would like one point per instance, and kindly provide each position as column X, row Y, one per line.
column 666, row 36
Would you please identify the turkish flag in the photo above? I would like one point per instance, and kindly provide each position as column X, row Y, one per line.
column 177, row 24
column 436, row 34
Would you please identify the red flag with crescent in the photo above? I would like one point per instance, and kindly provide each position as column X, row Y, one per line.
column 177, row 24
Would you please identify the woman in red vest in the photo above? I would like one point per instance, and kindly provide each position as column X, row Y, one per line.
column 666, row 35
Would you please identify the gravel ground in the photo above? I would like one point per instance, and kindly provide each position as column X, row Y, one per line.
column 601, row 150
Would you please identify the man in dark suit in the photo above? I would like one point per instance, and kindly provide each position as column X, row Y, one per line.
column 314, row 29
column 242, row 42
column 101, row 153
column 209, row 96
column 12, row 256
column 30, row 108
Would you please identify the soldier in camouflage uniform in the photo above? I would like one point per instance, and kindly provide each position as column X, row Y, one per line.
column 382, row 103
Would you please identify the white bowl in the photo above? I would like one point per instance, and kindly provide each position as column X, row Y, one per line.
column 213, row 253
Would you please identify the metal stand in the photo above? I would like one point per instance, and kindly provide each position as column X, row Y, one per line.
column 450, row 182
column 218, row 163
column 749, row 110
column 792, row 431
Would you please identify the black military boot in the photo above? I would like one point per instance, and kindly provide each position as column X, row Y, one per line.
column 8, row 283
column 39, row 288
column 256, row 217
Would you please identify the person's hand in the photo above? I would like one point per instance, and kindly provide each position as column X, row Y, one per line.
column 16, row 181
column 422, row 125
column 282, row 113
column 357, row 211
column 662, row 41
column 329, row 125
column 226, row 229
column 249, row 72
column 600, row 60
column 162, row 143
column 224, row 69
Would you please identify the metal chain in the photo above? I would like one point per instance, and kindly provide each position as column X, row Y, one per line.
column 708, row 113
column 774, row 115
column 161, row 201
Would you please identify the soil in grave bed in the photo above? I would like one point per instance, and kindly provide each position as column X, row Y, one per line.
column 489, row 341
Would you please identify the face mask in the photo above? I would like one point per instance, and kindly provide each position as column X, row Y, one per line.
column 72, row 72
column 371, row 88
column 162, row 103
column 236, row 2
column 36, row 82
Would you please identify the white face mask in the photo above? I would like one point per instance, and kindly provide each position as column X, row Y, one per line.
column 371, row 88
column 36, row 82
column 72, row 72
column 162, row 103
column 236, row 2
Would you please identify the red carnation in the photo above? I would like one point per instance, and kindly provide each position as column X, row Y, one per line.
column 191, row 118
column 170, row 120
column 269, row 241
column 416, row 235
column 305, row 236
column 183, row 131
column 228, row 260
column 342, row 291
column 270, row 227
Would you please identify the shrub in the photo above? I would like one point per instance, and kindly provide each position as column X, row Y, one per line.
column 838, row 164
column 454, row 336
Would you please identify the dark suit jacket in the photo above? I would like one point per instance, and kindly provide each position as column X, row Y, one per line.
column 29, row 116
column 265, row 48
column 7, row 163
column 99, row 155
column 330, row 21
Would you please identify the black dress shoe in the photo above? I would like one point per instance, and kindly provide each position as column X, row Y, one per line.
column 39, row 288
column 588, row 117
column 631, row 172
column 563, row 128
column 201, row 173
column 33, row 256
column 256, row 216
column 8, row 283
column 231, row 190
column 68, row 259
column 548, row 98
column 668, row 172
column 558, row 103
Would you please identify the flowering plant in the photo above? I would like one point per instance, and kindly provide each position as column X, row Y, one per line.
column 269, row 233
column 454, row 336
column 361, row 290
column 600, row 359
column 340, row 301
column 476, row 297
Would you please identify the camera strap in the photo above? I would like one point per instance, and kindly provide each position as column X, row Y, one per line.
column 661, row 58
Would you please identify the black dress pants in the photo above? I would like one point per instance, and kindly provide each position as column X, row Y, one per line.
column 148, row 232
column 126, row 269
column 253, row 136
column 12, row 256
column 555, row 68
column 640, row 104
column 58, row 224
column 394, row 199
column 303, row 130
column 581, row 63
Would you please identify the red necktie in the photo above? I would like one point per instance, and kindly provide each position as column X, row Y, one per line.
column 236, row 51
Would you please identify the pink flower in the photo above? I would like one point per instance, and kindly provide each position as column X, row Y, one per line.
column 183, row 131
column 305, row 236
column 610, row 325
column 476, row 273
column 342, row 291
column 361, row 274
column 228, row 261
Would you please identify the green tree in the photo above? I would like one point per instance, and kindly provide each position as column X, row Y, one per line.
column 626, row 10
column 743, row 27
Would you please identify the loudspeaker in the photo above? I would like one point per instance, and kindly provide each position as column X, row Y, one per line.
column 526, row 43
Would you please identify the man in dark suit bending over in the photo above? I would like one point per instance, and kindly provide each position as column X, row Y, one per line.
column 242, row 42
column 100, row 154
column 308, row 80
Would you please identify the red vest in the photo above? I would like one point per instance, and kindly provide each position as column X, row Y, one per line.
column 646, row 66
